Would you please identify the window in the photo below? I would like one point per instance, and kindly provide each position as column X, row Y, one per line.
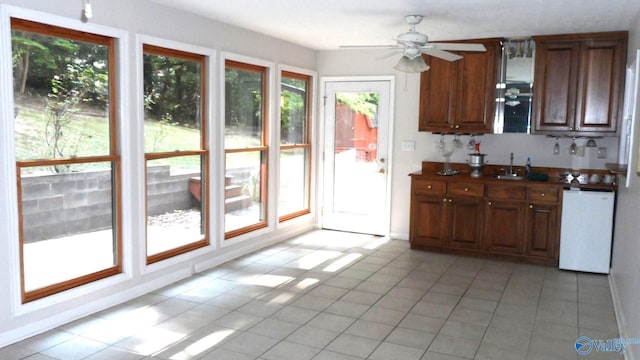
column 68, row 169
column 295, row 148
column 246, row 148
column 175, row 152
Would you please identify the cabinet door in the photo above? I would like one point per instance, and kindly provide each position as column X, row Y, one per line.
column 459, row 96
column 556, row 72
column 504, row 227
column 428, row 221
column 542, row 230
column 600, row 92
column 437, row 88
column 476, row 94
column 465, row 222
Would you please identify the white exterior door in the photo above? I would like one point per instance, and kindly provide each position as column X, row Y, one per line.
column 356, row 164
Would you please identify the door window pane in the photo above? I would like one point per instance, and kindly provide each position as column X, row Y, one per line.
column 356, row 143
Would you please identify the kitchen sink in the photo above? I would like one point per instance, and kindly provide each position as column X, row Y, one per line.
column 510, row 177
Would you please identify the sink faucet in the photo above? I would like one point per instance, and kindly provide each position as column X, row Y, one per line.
column 511, row 164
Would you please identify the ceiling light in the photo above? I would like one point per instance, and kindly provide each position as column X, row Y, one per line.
column 415, row 65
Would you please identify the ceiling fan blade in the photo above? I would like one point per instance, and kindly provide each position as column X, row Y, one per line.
column 445, row 55
column 371, row 47
column 459, row 46
column 388, row 55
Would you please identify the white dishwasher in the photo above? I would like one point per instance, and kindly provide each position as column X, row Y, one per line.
column 586, row 230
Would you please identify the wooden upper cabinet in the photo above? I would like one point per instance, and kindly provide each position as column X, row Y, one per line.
column 579, row 82
column 459, row 96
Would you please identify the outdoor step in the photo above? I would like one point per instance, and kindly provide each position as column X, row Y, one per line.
column 232, row 191
column 237, row 203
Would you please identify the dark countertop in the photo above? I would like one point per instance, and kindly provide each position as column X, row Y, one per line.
column 556, row 176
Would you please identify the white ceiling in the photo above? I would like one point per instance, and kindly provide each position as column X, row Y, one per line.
column 326, row 24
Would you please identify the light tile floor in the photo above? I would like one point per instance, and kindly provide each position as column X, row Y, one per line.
column 330, row 295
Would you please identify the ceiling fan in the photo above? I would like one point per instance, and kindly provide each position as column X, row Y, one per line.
column 413, row 44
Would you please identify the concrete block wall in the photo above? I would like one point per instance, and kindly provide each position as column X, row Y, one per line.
column 72, row 203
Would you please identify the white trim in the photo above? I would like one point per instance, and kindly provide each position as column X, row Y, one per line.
column 50, row 322
column 9, row 225
column 249, row 247
column 399, row 236
column 617, row 310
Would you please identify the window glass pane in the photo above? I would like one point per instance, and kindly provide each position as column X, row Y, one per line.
column 294, row 184
column 293, row 113
column 243, row 108
column 61, row 92
column 68, row 229
column 175, row 215
column 172, row 103
column 245, row 193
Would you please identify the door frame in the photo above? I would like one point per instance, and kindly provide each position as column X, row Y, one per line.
column 321, row 142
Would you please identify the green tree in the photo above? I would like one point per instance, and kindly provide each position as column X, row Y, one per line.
column 363, row 103
column 172, row 87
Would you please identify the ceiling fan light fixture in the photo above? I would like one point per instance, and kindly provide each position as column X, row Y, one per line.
column 414, row 65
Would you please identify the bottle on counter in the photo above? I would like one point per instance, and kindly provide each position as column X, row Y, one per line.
column 527, row 167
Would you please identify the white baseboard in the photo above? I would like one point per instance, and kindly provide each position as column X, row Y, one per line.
column 617, row 309
column 61, row 318
column 399, row 236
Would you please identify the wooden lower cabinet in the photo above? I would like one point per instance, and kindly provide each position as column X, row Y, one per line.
column 518, row 222
column 504, row 227
column 542, row 230
column 428, row 220
column 465, row 220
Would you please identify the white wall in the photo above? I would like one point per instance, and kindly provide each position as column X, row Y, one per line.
column 129, row 19
column 497, row 147
column 625, row 272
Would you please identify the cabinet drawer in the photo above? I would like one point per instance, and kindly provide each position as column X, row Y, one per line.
column 429, row 187
column 543, row 193
column 507, row 192
column 468, row 189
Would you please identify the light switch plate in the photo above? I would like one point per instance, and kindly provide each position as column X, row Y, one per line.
column 408, row 145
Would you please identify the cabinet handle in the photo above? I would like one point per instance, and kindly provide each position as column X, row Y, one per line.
column 531, row 206
column 490, row 203
column 444, row 200
column 451, row 126
column 450, row 200
column 542, row 195
column 429, row 187
column 466, row 189
column 457, row 126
